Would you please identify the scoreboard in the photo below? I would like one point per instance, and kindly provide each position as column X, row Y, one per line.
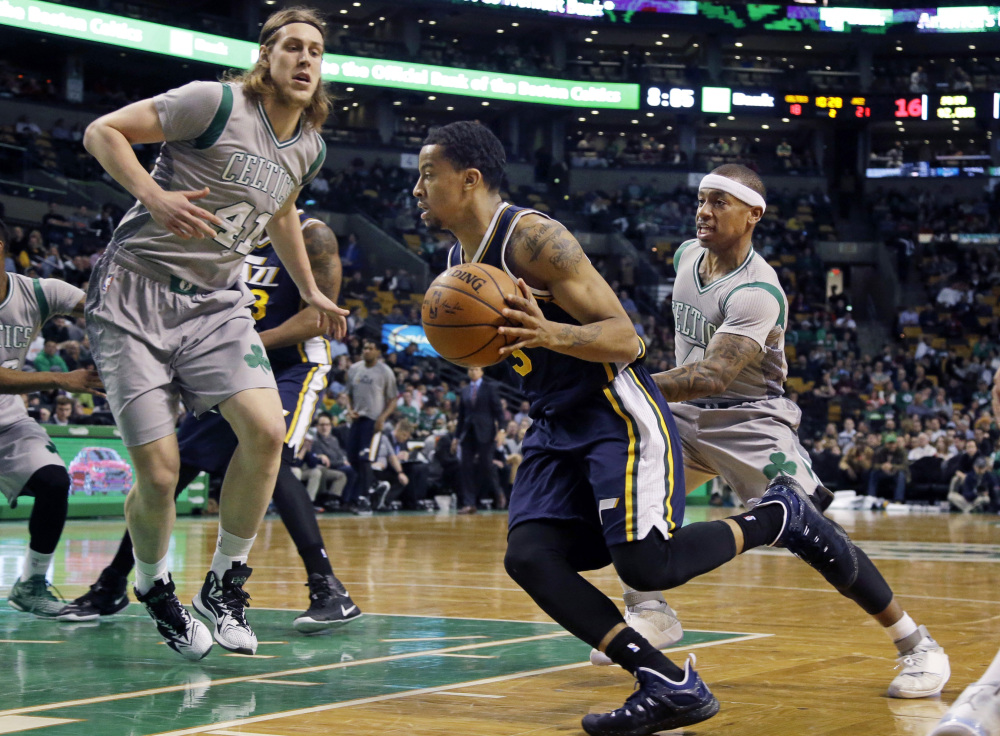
column 845, row 108
column 835, row 107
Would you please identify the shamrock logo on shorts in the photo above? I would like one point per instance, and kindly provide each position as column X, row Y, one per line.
column 51, row 447
column 779, row 466
column 257, row 359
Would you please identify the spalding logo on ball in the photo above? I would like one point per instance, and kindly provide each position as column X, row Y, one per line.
column 462, row 309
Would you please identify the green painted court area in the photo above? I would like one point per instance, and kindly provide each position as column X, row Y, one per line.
column 114, row 678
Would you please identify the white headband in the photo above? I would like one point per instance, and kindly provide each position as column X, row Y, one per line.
column 740, row 191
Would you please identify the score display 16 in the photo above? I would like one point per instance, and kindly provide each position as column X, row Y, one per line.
column 942, row 107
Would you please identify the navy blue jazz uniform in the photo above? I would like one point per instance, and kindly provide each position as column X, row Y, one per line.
column 300, row 370
column 603, row 448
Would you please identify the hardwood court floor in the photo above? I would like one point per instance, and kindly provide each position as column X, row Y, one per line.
column 449, row 645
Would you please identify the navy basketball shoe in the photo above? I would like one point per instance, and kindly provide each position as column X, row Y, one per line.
column 658, row 704
column 810, row 536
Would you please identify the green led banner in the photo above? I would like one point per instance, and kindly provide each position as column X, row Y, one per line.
column 115, row 30
column 488, row 85
column 204, row 47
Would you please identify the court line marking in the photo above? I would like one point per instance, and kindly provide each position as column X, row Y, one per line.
column 17, row 724
column 471, row 695
column 239, row 733
column 436, row 638
column 266, row 681
column 420, row 691
column 30, row 641
column 282, row 673
column 470, row 656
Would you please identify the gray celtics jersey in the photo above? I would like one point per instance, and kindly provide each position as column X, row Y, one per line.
column 748, row 301
column 29, row 304
column 216, row 137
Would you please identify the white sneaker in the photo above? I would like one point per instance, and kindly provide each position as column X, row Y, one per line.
column 975, row 713
column 224, row 604
column 925, row 670
column 655, row 621
column 180, row 630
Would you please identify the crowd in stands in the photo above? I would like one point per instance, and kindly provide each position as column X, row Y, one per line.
column 932, row 212
column 599, row 150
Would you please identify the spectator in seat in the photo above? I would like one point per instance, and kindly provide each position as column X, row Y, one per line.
column 889, row 463
column 406, row 477
column 332, row 462
column 923, row 448
column 856, row 463
column 978, row 491
column 846, row 437
column 63, row 414
column 50, row 360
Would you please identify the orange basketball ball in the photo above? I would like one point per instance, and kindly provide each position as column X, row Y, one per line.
column 461, row 313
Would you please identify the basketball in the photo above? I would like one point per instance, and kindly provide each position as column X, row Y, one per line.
column 462, row 310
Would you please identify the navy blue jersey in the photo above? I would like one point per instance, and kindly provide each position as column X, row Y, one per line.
column 278, row 300
column 553, row 382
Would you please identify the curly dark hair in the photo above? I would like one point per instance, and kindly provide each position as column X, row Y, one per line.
column 471, row 145
column 4, row 239
column 743, row 175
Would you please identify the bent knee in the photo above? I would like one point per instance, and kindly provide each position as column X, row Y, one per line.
column 160, row 481
column 51, row 481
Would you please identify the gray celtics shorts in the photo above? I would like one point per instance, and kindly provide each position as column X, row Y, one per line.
column 24, row 448
column 155, row 343
column 746, row 445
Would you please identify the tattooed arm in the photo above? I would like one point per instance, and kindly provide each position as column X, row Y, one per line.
column 726, row 356
column 324, row 260
column 546, row 256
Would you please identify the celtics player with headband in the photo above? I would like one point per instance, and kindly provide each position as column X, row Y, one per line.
column 726, row 395
column 169, row 317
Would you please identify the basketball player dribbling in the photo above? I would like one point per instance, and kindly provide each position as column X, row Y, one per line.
column 727, row 398
column 602, row 478
column 168, row 316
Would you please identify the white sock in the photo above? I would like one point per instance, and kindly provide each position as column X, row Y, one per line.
column 230, row 549
column 35, row 563
column 147, row 574
column 992, row 673
column 902, row 633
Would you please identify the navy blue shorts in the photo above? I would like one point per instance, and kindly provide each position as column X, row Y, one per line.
column 209, row 443
column 614, row 464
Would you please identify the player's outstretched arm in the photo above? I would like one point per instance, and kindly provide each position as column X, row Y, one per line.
column 285, row 232
column 324, row 259
column 83, row 380
column 547, row 256
column 110, row 138
column 726, row 356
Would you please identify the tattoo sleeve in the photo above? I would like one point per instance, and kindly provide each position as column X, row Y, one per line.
column 324, row 258
column 551, row 243
column 726, row 356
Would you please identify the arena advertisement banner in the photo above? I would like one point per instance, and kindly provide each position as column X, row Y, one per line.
column 100, row 474
column 397, row 337
column 87, row 25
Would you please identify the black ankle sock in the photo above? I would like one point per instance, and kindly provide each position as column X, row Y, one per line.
column 631, row 651
column 760, row 526
column 315, row 560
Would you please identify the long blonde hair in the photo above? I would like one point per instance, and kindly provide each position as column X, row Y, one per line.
column 257, row 82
